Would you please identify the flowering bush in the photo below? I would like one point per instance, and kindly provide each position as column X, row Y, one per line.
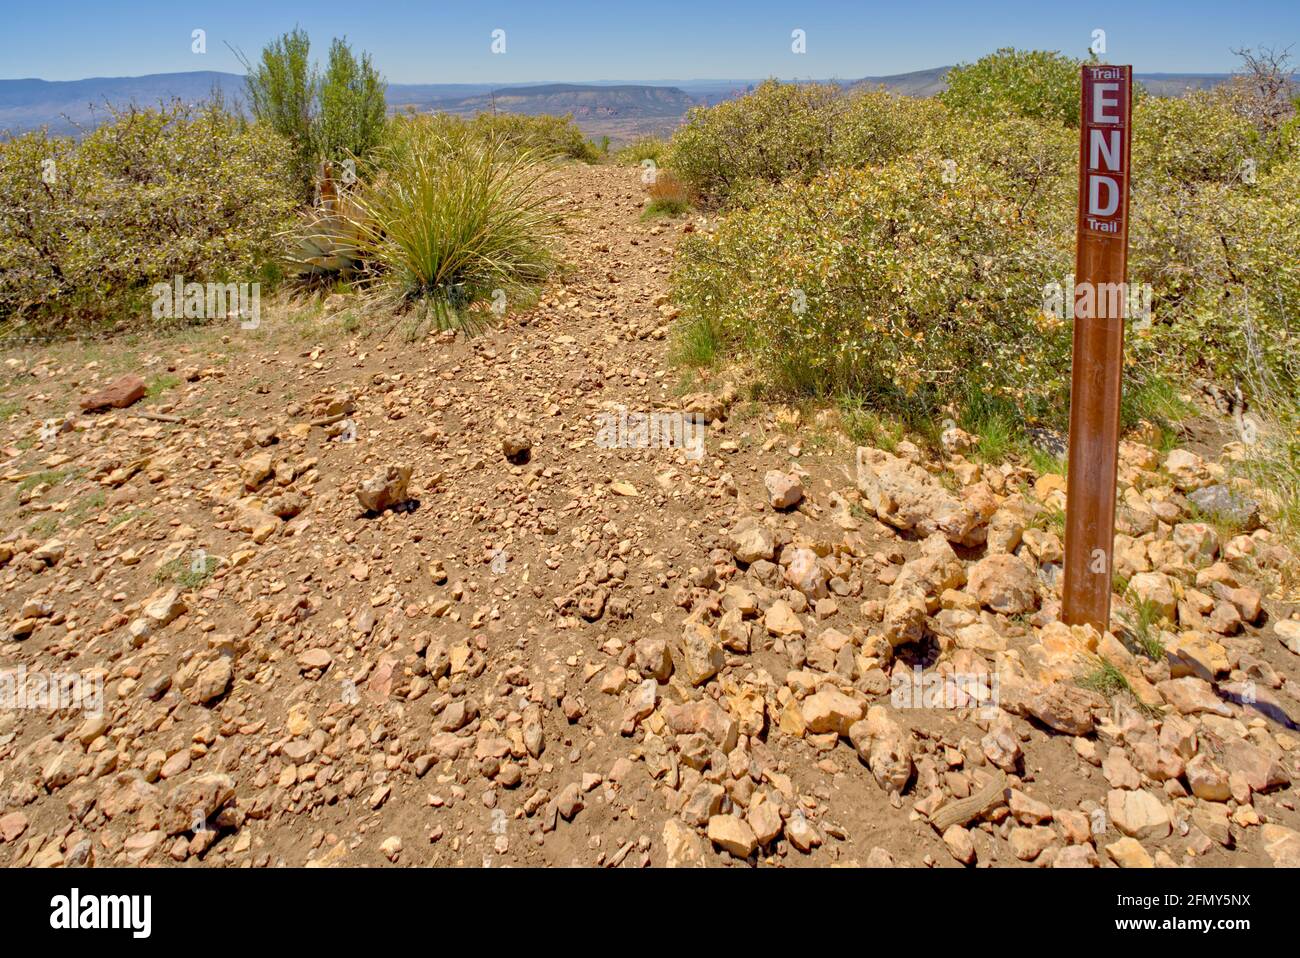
column 903, row 248
column 780, row 130
column 86, row 229
column 890, row 282
column 1216, row 222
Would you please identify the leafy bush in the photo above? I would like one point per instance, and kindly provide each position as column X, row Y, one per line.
column 778, row 131
column 923, row 277
column 1215, row 236
column 543, row 136
column 878, row 127
column 451, row 223
column 1037, row 84
column 352, row 108
column 334, row 117
column 1191, row 139
column 153, row 194
column 643, row 148
column 888, row 282
column 281, row 95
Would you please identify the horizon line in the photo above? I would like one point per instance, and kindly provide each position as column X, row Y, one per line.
column 667, row 81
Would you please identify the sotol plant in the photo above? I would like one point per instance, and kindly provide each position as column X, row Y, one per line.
column 450, row 222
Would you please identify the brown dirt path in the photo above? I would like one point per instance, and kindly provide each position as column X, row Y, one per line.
column 291, row 699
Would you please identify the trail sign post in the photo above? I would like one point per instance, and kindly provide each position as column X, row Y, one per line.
column 1100, row 298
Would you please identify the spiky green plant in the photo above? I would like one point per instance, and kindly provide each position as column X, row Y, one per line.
column 1105, row 678
column 1140, row 620
column 456, row 222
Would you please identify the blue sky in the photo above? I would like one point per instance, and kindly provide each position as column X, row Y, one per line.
column 441, row 42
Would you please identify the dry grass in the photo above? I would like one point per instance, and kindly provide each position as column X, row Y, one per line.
column 669, row 196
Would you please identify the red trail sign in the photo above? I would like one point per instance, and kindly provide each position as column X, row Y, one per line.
column 1100, row 292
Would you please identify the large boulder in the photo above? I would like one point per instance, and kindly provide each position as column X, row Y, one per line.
column 905, row 496
column 1003, row 583
column 118, row 394
column 1219, row 503
column 385, row 489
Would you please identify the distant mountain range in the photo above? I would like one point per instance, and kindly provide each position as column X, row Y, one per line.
column 616, row 109
column 582, row 100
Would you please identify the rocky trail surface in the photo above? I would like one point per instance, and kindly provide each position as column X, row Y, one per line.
column 356, row 601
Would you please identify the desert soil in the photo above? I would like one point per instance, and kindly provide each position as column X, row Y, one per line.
column 479, row 674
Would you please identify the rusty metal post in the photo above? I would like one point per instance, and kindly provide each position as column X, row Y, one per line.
column 1101, row 265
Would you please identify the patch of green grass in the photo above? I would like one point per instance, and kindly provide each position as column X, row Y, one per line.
column 84, row 506
column 1043, row 462
column 8, row 408
column 1108, row 681
column 696, row 344
column 44, row 527
column 645, row 148
column 188, row 572
column 159, row 385
column 51, row 477
column 126, row 517
column 1223, row 526
column 1273, row 465
column 1104, row 679
column 1049, row 519
column 996, row 424
column 867, row 427
column 1156, row 401
column 997, row 439
column 687, row 381
column 664, row 208
column 1140, row 619
column 112, row 359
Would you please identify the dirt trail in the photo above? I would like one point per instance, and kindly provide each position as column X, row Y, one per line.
column 461, row 680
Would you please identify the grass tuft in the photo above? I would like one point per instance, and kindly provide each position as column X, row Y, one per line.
column 1140, row 619
column 456, row 224
column 182, row 572
column 1107, row 680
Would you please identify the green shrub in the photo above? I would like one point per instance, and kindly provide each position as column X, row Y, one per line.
column 543, row 136
column 452, row 223
column 887, row 283
column 878, row 127
column 1191, row 139
column 778, row 131
column 1037, row 84
column 924, row 277
column 337, row 116
column 644, row 148
column 352, row 109
column 331, row 239
column 282, row 89
column 728, row 152
column 193, row 192
column 1217, row 249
